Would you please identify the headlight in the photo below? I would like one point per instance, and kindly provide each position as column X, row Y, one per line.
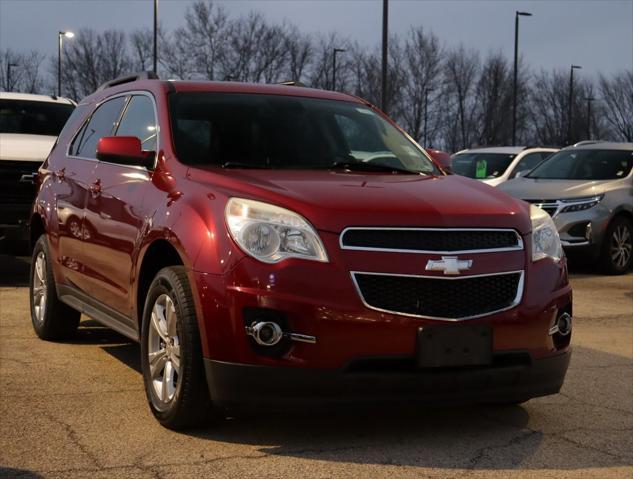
column 545, row 239
column 270, row 233
column 581, row 203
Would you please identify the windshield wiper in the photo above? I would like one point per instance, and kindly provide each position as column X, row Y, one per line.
column 362, row 166
column 241, row 164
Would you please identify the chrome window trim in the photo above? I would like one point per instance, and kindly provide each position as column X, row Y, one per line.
column 519, row 246
column 517, row 299
column 129, row 95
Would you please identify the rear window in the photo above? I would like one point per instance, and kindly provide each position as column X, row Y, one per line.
column 482, row 165
column 585, row 165
column 33, row 117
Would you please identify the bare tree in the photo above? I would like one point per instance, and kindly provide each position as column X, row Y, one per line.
column 300, row 52
column 617, row 100
column 26, row 72
column 494, row 98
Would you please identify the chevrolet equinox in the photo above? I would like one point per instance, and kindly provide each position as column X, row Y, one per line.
column 271, row 245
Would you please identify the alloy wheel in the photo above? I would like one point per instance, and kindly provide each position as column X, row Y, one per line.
column 621, row 245
column 39, row 287
column 163, row 349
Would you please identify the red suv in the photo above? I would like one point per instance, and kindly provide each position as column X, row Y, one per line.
column 272, row 244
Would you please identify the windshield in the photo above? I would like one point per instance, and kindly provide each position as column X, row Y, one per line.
column 272, row 131
column 481, row 165
column 585, row 165
column 33, row 117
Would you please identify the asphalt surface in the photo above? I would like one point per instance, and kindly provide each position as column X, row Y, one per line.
column 78, row 409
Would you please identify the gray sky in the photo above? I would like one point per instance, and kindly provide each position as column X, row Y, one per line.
column 595, row 34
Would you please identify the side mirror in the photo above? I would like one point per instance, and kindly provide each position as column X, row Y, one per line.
column 124, row 150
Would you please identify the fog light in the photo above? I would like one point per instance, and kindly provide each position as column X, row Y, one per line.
column 265, row 333
column 562, row 326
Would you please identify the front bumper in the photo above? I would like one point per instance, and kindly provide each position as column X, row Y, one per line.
column 513, row 377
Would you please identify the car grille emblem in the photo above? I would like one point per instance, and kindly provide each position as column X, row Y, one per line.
column 449, row 265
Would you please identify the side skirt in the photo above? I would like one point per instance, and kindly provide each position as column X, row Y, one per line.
column 96, row 310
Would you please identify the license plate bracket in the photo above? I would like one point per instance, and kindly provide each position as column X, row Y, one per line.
column 454, row 346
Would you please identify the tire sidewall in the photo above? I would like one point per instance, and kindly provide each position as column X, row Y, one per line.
column 41, row 327
column 162, row 284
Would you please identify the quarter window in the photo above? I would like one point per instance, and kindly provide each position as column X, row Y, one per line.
column 101, row 124
column 139, row 121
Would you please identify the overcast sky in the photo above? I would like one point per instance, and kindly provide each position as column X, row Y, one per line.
column 595, row 34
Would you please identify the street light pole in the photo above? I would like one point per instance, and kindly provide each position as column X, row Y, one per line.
column 9, row 66
column 60, row 46
column 589, row 100
column 334, row 52
column 571, row 101
column 156, row 36
column 385, row 49
column 516, row 73
column 426, row 111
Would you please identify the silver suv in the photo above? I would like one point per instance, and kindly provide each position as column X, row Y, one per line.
column 588, row 191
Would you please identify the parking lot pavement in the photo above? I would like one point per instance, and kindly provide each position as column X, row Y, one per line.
column 78, row 409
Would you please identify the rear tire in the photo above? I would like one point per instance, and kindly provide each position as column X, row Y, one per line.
column 617, row 247
column 52, row 320
column 171, row 353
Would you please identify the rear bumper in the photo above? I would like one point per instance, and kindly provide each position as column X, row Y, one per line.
column 512, row 377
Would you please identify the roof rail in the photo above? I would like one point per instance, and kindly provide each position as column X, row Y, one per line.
column 128, row 78
column 291, row 83
column 588, row 142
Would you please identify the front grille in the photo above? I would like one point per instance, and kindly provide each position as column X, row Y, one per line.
column 12, row 191
column 437, row 297
column 430, row 240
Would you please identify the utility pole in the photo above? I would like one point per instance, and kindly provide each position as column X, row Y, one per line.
column 156, row 36
column 334, row 52
column 385, row 50
column 426, row 116
column 516, row 73
column 60, row 48
column 571, row 101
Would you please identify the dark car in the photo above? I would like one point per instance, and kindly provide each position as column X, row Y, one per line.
column 269, row 244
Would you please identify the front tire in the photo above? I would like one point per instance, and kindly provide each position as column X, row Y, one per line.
column 617, row 247
column 171, row 353
column 52, row 320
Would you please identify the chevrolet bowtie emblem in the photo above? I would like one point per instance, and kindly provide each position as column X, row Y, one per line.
column 449, row 265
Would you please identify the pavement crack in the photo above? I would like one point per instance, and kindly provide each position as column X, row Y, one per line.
column 485, row 452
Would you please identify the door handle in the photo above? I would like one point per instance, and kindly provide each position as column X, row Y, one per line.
column 95, row 188
column 29, row 178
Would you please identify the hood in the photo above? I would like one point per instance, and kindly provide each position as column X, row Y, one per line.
column 19, row 147
column 541, row 189
column 332, row 200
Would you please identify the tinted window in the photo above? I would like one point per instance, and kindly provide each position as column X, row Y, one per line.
column 33, row 117
column 528, row 162
column 273, row 131
column 482, row 165
column 585, row 165
column 101, row 124
column 139, row 121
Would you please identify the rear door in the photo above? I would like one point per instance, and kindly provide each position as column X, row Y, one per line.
column 74, row 186
column 115, row 211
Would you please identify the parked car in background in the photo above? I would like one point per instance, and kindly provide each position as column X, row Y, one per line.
column 29, row 125
column 273, row 244
column 442, row 158
column 588, row 191
column 498, row 164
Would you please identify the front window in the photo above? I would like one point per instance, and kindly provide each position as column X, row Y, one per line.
column 482, row 165
column 33, row 117
column 585, row 165
column 285, row 132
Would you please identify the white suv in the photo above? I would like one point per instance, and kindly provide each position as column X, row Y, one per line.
column 29, row 126
column 499, row 164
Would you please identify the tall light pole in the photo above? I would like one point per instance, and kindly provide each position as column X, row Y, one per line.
column 589, row 100
column 385, row 49
column 334, row 52
column 516, row 73
column 571, row 101
column 156, row 36
column 426, row 111
column 60, row 45
column 9, row 66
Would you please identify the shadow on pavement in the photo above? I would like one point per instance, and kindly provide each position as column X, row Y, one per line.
column 14, row 270
column 9, row 472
